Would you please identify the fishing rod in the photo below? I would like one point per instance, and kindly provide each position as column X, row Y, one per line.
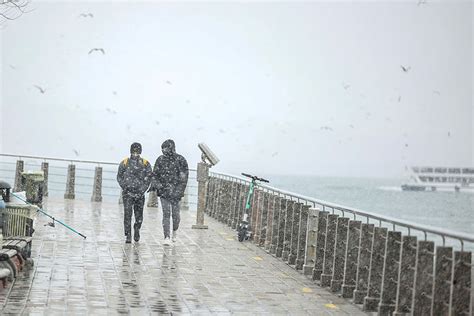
column 54, row 220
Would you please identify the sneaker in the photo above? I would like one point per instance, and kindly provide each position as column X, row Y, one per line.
column 136, row 235
column 128, row 239
column 173, row 238
column 167, row 241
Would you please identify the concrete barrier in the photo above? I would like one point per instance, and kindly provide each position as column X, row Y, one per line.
column 294, row 237
column 390, row 273
column 302, row 236
column 288, row 229
column 275, row 224
column 372, row 299
column 281, row 227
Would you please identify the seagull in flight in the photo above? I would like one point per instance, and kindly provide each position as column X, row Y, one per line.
column 76, row 152
column 405, row 69
column 346, row 86
column 327, row 128
column 97, row 50
column 40, row 89
column 168, row 82
column 85, row 15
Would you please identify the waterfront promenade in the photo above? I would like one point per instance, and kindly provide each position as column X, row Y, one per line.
column 205, row 272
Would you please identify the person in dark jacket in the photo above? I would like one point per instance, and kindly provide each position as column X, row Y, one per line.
column 170, row 180
column 134, row 177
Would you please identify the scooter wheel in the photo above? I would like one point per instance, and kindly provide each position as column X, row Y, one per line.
column 241, row 235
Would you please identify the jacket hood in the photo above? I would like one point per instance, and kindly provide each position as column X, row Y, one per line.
column 168, row 147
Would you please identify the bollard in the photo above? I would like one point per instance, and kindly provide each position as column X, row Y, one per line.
column 320, row 245
column 372, row 299
column 340, row 254
column 303, row 229
column 268, row 237
column 312, row 230
column 45, row 169
column 97, row 186
column 288, row 229
column 152, row 199
column 423, row 279
column 275, row 224
column 390, row 273
column 442, row 282
column 202, row 178
column 406, row 280
column 18, row 171
column 363, row 268
column 352, row 259
column 70, row 182
column 281, row 228
column 295, row 227
column 329, row 249
column 264, row 219
column 184, row 202
column 121, row 197
column 461, row 283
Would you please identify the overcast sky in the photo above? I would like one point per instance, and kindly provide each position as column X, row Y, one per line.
column 314, row 88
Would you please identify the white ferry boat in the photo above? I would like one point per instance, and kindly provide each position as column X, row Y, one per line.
column 439, row 178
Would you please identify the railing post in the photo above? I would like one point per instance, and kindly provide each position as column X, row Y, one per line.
column 97, row 186
column 372, row 299
column 231, row 202
column 281, row 228
column 302, row 235
column 152, row 199
column 270, row 215
column 423, row 279
column 320, row 245
column 70, row 182
column 329, row 250
column 406, row 278
column 312, row 231
column 263, row 219
column 461, row 283
column 288, row 229
column 239, row 205
column 254, row 213
column 443, row 278
column 363, row 269
column 352, row 259
column 340, row 254
column 295, row 228
column 202, row 177
column 275, row 224
column 390, row 273
column 18, row 181
column 45, row 169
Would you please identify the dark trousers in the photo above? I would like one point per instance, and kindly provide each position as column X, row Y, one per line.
column 170, row 207
column 132, row 204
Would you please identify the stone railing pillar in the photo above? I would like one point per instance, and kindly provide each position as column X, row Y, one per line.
column 461, row 283
column 390, row 273
column 20, row 165
column 340, row 254
column 281, row 227
column 363, row 268
column 352, row 259
column 406, row 276
column 276, row 224
column 45, row 169
column 70, row 182
column 294, row 237
column 288, row 229
column 202, row 178
column 329, row 249
column 97, row 186
column 270, row 216
column 424, row 279
column 302, row 236
column 320, row 245
column 443, row 277
column 311, row 235
column 263, row 219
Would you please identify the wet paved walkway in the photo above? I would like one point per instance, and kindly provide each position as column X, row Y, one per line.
column 205, row 272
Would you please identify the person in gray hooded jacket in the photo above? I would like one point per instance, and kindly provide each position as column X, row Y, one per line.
column 170, row 177
column 134, row 177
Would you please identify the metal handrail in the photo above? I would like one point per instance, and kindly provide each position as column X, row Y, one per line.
column 443, row 233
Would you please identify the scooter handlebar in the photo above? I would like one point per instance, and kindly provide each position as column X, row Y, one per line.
column 255, row 177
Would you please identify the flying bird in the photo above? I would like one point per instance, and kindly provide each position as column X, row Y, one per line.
column 436, row 92
column 346, row 86
column 12, row 67
column 114, row 92
column 420, row 2
column 40, row 89
column 351, row 126
column 85, row 15
column 405, row 69
column 157, row 122
column 327, row 128
column 76, row 152
column 449, row 134
column 275, row 154
column 406, row 145
column 399, row 98
column 97, row 50
column 168, row 82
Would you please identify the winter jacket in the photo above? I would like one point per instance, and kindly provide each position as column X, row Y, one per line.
column 134, row 175
column 170, row 173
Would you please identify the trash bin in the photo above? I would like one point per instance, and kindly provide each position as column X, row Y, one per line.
column 33, row 182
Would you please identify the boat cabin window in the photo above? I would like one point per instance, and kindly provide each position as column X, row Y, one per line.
column 440, row 170
column 454, row 170
column 468, row 170
column 426, row 169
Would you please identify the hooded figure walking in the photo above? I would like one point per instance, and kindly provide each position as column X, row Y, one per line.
column 170, row 180
column 134, row 177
